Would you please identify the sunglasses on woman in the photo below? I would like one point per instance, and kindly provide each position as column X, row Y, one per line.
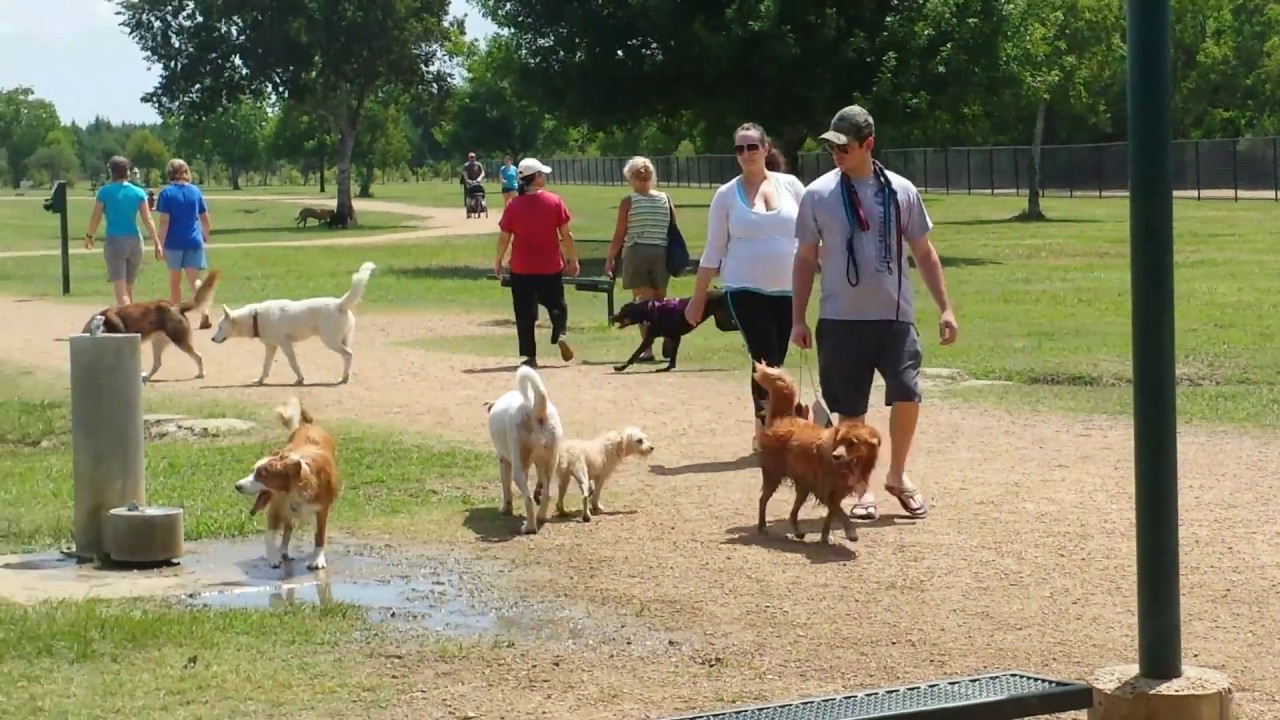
column 749, row 147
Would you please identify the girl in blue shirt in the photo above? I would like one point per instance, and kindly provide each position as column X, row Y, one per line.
column 121, row 203
column 185, row 228
column 509, row 181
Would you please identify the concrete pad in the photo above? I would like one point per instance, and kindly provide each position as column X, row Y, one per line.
column 211, row 566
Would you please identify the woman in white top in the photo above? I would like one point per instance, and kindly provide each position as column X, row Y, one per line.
column 751, row 245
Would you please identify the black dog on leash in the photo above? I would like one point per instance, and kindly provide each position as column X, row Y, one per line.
column 666, row 320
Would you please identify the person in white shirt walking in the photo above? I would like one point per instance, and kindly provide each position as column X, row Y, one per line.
column 858, row 219
column 751, row 242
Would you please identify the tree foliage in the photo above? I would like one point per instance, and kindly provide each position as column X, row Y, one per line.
column 331, row 57
column 25, row 122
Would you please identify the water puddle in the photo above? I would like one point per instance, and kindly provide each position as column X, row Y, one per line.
column 437, row 605
column 445, row 593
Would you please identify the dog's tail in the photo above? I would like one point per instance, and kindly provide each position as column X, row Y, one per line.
column 204, row 294
column 358, row 281
column 783, row 393
column 292, row 415
column 529, row 382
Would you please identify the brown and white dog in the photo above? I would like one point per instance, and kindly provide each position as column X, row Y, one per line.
column 294, row 483
column 319, row 214
column 162, row 323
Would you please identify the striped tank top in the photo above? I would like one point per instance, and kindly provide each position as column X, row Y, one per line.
column 647, row 220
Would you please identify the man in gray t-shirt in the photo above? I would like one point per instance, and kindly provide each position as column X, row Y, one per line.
column 859, row 220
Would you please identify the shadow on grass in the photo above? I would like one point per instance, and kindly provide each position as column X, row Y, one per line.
column 1018, row 219
column 588, row 268
column 490, row 525
column 958, row 261
column 704, row 468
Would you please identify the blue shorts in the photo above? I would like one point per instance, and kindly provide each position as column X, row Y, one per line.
column 192, row 258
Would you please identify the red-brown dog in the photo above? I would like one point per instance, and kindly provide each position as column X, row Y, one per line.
column 828, row 464
column 295, row 482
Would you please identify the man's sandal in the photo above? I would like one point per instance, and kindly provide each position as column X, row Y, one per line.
column 865, row 511
column 909, row 499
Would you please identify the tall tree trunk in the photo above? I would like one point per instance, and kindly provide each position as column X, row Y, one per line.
column 346, row 144
column 1033, row 211
column 322, row 171
column 366, row 181
column 235, row 176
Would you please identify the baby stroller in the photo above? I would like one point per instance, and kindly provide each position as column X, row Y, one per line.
column 473, row 199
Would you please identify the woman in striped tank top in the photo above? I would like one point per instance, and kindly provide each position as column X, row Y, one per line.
column 640, row 237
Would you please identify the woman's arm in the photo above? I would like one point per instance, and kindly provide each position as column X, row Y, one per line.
column 619, row 230
column 95, row 218
column 162, row 227
column 206, row 227
column 147, row 222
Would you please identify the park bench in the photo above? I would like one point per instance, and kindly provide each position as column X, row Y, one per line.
column 592, row 277
column 998, row 696
column 602, row 284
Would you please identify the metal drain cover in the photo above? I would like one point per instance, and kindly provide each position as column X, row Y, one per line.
column 999, row 696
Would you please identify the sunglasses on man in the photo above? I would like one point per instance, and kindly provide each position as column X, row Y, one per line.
column 841, row 148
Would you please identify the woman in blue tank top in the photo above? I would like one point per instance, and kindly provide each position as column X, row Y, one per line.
column 507, row 173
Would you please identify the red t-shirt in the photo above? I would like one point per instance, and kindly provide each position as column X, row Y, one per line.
column 534, row 219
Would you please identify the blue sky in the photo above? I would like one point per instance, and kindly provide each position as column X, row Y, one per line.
column 74, row 54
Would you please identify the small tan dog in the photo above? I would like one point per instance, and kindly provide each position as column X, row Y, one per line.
column 590, row 463
column 294, row 483
column 319, row 214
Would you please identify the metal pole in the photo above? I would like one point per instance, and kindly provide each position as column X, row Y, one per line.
column 66, row 248
column 1155, row 436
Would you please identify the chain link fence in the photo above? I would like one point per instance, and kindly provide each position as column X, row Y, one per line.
column 1247, row 168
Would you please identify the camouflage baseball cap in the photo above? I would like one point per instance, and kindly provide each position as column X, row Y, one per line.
column 851, row 125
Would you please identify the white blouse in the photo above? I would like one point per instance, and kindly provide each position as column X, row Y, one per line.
column 753, row 249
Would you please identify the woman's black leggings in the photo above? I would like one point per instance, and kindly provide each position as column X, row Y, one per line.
column 765, row 322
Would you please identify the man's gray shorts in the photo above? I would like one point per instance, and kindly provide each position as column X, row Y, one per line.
column 124, row 258
column 851, row 352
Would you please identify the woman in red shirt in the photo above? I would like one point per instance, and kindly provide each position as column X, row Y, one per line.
column 542, row 253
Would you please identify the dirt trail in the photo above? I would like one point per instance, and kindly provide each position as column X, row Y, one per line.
column 445, row 222
column 1026, row 561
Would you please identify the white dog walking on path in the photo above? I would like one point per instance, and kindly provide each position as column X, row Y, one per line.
column 281, row 323
column 525, row 428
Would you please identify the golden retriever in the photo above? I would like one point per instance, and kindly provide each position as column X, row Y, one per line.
column 828, row 464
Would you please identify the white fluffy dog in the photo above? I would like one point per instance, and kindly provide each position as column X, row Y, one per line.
column 591, row 462
column 281, row 323
column 525, row 428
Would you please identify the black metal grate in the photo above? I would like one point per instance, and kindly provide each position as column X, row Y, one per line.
column 1002, row 696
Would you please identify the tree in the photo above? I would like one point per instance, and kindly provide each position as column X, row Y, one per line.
column 147, row 152
column 235, row 135
column 301, row 138
column 382, row 142
column 492, row 114
column 788, row 66
column 57, row 157
column 25, row 123
column 1062, row 52
column 328, row 56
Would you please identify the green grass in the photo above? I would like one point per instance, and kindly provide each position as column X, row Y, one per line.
column 153, row 659
column 390, row 478
column 24, row 224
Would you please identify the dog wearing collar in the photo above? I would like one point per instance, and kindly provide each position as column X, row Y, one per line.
column 296, row 483
column 281, row 323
